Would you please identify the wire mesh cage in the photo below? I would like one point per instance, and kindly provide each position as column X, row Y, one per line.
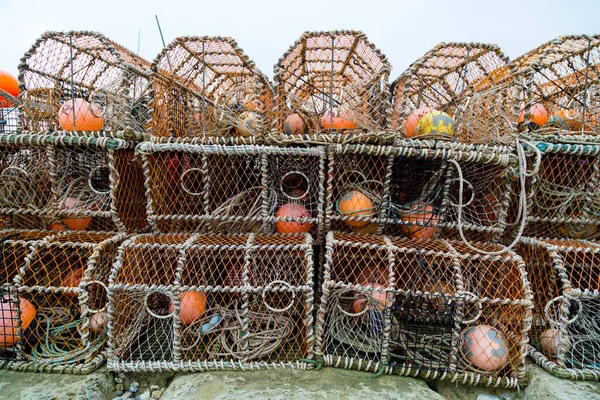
column 565, row 280
column 332, row 87
column 464, row 92
column 206, row 90
column 59, row 281
column 234, row 189
column 428, row 308
column 413, row 190
column 562, row 89
column 82, row 82
column 211, row 302
column 9, row 114
column 70, row 182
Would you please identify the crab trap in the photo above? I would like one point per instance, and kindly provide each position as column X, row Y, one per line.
column 211, row 302
column 234, row 189
column 427, row 308
column 419, row 189
column 54, row 294
column 70, row 182
column 206, row 90
column 9, row 114
column 83, row 83
column 465, row 92
column 562, row 90
column 332, row 87
column 565, row 280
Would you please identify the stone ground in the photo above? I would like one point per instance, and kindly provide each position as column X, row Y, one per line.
column 324, row 384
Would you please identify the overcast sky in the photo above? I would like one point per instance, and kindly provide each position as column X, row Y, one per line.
column 265, row 29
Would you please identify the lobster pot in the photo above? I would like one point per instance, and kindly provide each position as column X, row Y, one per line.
column 413, row 190
column 428, row 308
column 473, row 84
column 565, row 280
column 332, row 87
column 562, row 89
column 9, row 117
column 210, row 302
column 206, row 90
column 82, row 82
column 54, row 318
column 70, row 182
column 234, row 189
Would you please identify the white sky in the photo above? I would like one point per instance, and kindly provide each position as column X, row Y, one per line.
column 265, row 29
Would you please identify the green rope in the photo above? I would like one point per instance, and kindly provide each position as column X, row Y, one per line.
column 318, row 363
column 364, row 376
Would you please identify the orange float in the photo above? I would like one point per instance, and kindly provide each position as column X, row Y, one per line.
column 8, row 317
column 88, row 116
column 75, row 223
column 569, row 120
column 415, row 222
column 248, row 123
column 55, row 226
column 193, row 305
column 354, row 204
column 294, row 125
column 8, row 84
column 295, row 211
column 413, row 120
column 537, row 115
column 343, row 121
column 360, row 303
column 72, row 280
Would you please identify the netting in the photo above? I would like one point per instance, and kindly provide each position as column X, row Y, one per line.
column 206, row 90
column 234, row 189
column 82, row 82
column 565, row 280
column 332, row 87
column 59, row 281
column 562, row 90
column 429, row 308
column 9, row 114
column 413, row 190
column 70, row 182
column 211, row 302
column 463, row 92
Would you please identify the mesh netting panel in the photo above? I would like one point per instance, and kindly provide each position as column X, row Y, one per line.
column 81, row 81
column 473, row 83
column 331, row 87
column 211, row 302
column 205, row 89
column 565, row 279
column 236, row 189
column 424, row 307
column 9, row 113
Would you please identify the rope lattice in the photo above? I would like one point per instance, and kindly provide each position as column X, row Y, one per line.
column 211, row 302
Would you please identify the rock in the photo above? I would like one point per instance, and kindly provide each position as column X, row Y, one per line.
column 119, row 380
column 119, row 393
column 117, row 398
column 121, row 375
column 487, row 397
column 127, row 395
column 144, row 396
column 133, row 387
column 154, row 387
column 454, row 391
column 543, row 385
column 119, row 387
column 157, row 394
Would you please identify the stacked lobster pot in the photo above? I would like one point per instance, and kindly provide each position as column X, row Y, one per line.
column 561, row 135
column 68, row 172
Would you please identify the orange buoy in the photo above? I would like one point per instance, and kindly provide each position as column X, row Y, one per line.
column 485, row 347
column 248, row 124
column 8, row 84
column 294, row 125
column 88, row 116
column 99, row 322
column 8, row 320
column 75, row 223
column 538, row 115
column 193, row 305
column 55, row 226
column 417, row 221
column 343, row 121
column 360, row 303
column 413, row 120
column 569, row 120
column 295, row 211
column 355, row 204
column 72, row 280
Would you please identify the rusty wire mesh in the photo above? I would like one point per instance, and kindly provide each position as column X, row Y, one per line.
column 565, row 280
column 60, row 281
column 332, row 87
column 429, row 308
column 82, row 82
column 234, row 189
column 70, row 182
column 209, row 302
column 473, row 83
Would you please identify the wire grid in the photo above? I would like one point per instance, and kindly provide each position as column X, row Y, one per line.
column 404, row 306
column 334, row 85
column 234, row 189
column 70, row 182
column 61, row 68
column 471, row 82
column 64, row 276
column 413, row 189
column 9, row 114
column 206, row 90
column 211, row 302
column 563, row 76
column 565, row 279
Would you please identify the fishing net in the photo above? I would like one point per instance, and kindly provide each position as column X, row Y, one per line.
column 332, row 87
column 9, row 114
column 463, row 92
column 565, row 280
column 234, row 189
column 70, row 182
column 428, row 308
column 211, row 302
column 206, row 90
column 83, row 83
column 54, row 314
